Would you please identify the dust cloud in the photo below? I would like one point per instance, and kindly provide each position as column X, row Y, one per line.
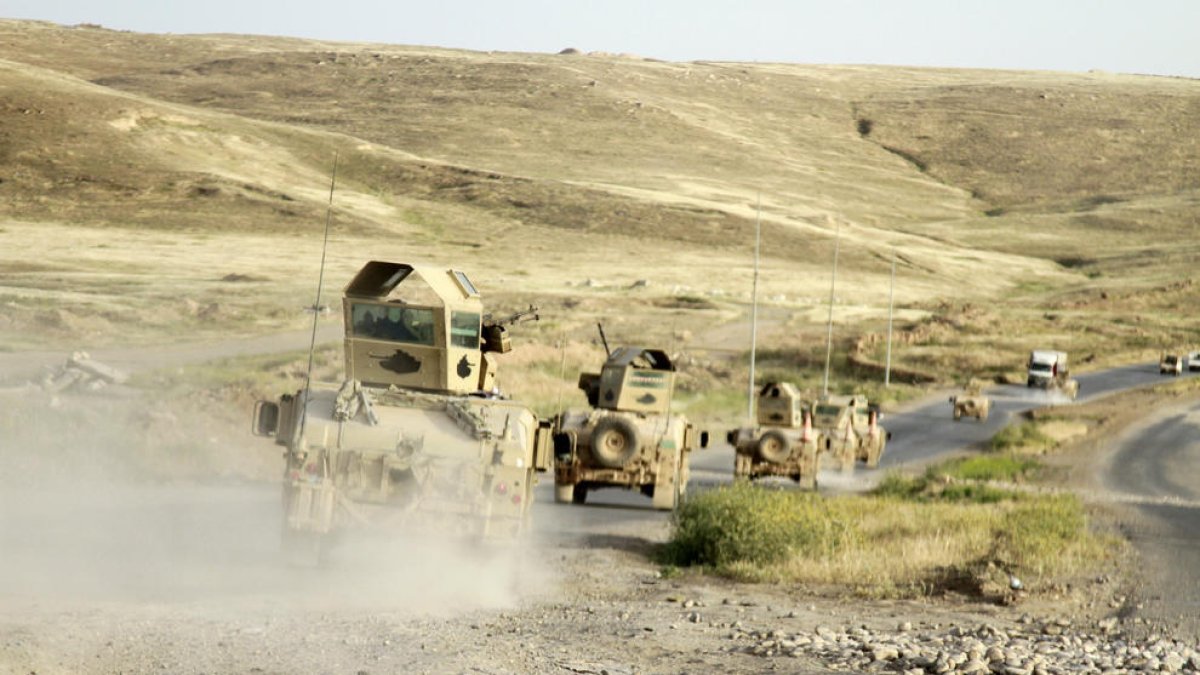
column 95, row 508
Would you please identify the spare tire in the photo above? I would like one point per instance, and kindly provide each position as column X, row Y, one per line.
column 614, row 442
column 774, row 447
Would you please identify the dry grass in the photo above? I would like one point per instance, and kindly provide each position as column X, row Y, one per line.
column 1025, row 209
column 884, row 545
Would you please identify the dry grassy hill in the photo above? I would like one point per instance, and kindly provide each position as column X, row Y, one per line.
column 159, row 183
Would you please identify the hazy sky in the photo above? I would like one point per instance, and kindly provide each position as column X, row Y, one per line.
column 1130, row 36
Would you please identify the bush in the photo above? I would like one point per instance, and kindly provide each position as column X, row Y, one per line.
column 1007, row 467
column 1047, row 535
column 1024, row 435
column 745, row 524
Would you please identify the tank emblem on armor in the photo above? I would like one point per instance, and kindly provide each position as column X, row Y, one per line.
column 647, row 399
column 464, row 368
column 401, row 363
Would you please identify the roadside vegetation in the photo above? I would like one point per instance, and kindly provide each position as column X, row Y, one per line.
column 949, row 529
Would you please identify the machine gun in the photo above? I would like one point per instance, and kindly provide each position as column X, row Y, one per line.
column 495, row 331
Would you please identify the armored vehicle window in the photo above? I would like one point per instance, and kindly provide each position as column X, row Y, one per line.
column 395, row 324
column 464, row 329
column 828, row 410
column 465, row 283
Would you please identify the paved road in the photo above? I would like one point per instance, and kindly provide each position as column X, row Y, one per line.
column 920, row 434
column 1156, row 468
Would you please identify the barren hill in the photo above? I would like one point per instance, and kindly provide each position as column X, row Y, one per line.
column 537, row 171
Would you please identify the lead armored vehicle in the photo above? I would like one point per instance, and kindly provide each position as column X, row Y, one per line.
column 415, row 436
column 849, row 430
column 629, row 438
column 782, row 443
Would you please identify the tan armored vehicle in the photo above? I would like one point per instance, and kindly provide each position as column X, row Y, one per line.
column 1049, row 370
column 1170, row 364
column 415, row 436
column 629, row 438
column 972, row 402
column 783, row 443
column 849, row 430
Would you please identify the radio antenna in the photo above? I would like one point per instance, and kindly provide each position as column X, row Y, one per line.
column 312, row 344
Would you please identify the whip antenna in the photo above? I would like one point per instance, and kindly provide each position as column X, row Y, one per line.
column 312, row 345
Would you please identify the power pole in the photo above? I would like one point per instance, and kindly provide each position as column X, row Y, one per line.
column 829, row 333
column 754, row 312
column 887, row 371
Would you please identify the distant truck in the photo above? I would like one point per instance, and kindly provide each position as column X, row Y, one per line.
column 629, row 438
column 1170, row 364
column 782, row 443
column 849, row 430
column 1049, row 370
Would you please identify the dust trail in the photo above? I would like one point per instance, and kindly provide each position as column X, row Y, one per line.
column 114, row 499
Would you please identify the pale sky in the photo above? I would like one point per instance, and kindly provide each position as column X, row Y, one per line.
column 1126, row 36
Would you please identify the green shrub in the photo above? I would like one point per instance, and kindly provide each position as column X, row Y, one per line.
column 1024, row 435
column 745, row 524
column 1007, row 467
column 1043, row 535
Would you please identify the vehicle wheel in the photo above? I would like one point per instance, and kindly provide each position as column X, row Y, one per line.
column 579, row 496
column 957, row 414
column 565, row 493
column 614, row 442
column 773, row 447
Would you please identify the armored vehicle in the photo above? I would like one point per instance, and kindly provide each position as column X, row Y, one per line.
column 1170, row 364
column 1048, row 370
column 849, row 430
column 629, row 438
column 416, row 436
column 972, row 402
column 783, row 443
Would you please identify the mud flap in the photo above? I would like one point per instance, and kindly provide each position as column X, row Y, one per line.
column 310, row 507
column 666, row 483
column 809, row 465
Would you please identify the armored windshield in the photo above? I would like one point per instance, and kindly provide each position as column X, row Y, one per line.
column 412, row 325
column 464, row 329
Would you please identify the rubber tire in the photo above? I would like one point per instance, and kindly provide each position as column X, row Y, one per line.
column 773, row 447
column 580, row 494
column 614, row 442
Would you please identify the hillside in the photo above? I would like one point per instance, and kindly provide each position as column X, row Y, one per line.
column 146, row 176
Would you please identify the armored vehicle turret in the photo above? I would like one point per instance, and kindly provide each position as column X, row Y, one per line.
column 782, row 443
column 416, row 434
column 629, row 438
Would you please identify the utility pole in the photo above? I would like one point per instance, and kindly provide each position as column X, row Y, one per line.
column 754, row 312
column 887, row 371
column 829, row 333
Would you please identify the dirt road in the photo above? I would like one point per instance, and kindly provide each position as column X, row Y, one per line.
column 1154, row 470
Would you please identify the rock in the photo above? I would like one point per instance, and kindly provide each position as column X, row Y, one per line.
column 885, row 654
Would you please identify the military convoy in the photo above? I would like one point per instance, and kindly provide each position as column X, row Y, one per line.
column 417, row 434
column 629, row 438
column 783, row 442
